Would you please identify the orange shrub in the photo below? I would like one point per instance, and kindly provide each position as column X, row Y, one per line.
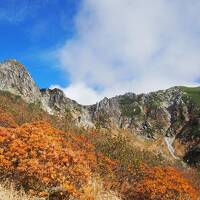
column 161, row 183
column 38, row 156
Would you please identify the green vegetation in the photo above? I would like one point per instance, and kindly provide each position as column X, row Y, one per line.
column 191, row 132
column 149, row 132
column 102, row 120
column 126, row 100
column 153, row 104
column 154, row 101
column 129, row 107
column 178, row 123
column 179, row 120
column 193, row 93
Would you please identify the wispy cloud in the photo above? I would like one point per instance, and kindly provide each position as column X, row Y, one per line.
column 16, row 11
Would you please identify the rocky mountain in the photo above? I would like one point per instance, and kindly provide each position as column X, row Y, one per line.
column 173, row 113
column 16, row 79
column 147, row 114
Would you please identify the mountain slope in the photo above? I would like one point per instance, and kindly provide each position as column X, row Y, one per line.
column 45, row 149
column 56, row 164
column 174, row 112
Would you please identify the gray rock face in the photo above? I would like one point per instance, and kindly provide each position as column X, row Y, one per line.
column 146, row 113
column 15, row 79
column 55, row 102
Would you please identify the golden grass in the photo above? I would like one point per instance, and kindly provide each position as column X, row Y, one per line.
column 7, row 192
column 95, row 190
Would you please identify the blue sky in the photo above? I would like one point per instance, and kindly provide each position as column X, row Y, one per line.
column 92, row 49
column 29, row 29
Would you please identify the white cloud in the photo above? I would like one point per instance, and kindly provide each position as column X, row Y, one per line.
column 80, row 91
column 131, row 45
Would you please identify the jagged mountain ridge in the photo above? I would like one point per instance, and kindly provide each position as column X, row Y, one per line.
column 173, row 113
column 16, row 79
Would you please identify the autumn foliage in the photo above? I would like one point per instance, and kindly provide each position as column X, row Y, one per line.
column 58, row 164
column 39, row 156
column 164, row 183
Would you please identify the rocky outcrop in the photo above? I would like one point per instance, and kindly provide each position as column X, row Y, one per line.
column 55, row 102
column 16, row 79
column 147, row 114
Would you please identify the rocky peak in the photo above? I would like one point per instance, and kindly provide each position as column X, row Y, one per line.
column 55, row 99
column 15, row 78
column 56, row 102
